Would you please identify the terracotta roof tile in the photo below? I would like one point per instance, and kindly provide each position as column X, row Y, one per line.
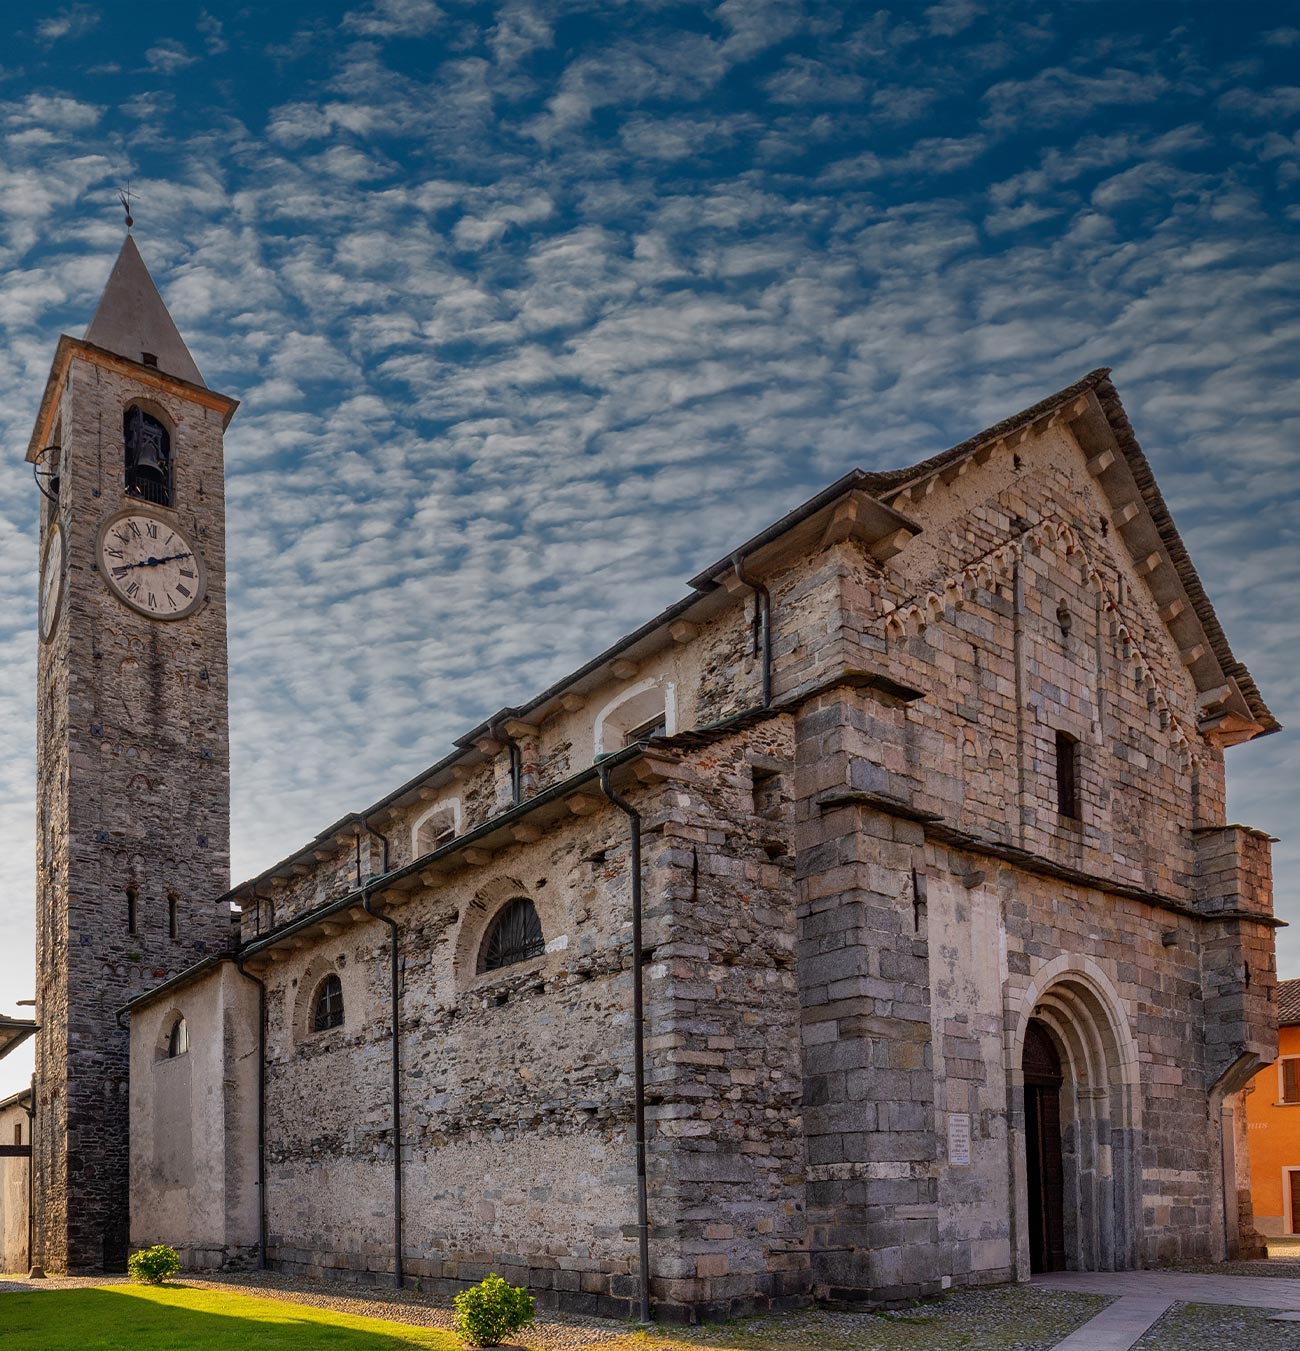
column 1288, row 1003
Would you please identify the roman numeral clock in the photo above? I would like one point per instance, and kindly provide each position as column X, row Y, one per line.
column 150, row 563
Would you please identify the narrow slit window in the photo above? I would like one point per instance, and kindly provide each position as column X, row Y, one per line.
column 1067, row 776
column 173, row 917
column 132, row 912
column 327, row 1011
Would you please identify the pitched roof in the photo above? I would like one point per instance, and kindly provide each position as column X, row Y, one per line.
column 132, row 320
column 1288, row 1003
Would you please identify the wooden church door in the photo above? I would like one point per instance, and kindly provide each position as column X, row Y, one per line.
column 1044, row 1166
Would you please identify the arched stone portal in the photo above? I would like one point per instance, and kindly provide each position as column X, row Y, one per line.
column 1076, row 1123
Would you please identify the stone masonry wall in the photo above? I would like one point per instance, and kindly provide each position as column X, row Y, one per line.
column 515, row 1089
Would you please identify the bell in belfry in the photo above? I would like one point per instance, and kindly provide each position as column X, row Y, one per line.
column 148, row 457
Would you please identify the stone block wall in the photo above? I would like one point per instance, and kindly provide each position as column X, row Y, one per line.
column 132, row 795
column 723, row 1075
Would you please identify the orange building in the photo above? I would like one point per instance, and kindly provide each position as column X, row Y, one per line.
column 1273, row 1124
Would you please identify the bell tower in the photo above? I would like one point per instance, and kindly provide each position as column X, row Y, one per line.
column 133, row 764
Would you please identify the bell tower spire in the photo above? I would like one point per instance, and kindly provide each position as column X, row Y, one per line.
column 131, row 320
column 133, row 777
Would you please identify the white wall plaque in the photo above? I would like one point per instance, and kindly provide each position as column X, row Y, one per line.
column 958, row 1138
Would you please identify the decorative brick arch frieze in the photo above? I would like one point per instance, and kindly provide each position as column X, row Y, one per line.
column 481, row 911
column 1101, row 1111
column 1053, row 533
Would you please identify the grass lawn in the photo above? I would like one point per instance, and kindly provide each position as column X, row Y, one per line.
column 188, row 1318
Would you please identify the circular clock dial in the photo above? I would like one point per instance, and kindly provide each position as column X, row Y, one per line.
column 51, row 581
column 150, row 564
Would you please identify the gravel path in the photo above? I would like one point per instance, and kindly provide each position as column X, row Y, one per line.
column 1000, row 1318
column 1219, row 1327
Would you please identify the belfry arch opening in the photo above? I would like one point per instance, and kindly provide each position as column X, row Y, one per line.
column 148, row 456
column 1076, row 1155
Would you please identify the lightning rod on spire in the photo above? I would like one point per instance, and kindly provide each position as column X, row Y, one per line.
column 124, row 197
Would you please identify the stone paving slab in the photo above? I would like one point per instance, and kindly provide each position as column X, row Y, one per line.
column 1118, row 1325
column 1146, row 1296
column 1260, row 1292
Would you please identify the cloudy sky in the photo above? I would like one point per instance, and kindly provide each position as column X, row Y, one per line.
column 534, row 308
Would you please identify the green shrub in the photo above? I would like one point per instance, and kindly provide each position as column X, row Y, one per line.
column 489, row 1312
column 153, row 1266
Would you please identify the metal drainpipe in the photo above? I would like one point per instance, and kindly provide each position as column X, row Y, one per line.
column 394, row 978
column 762, row 622
column 638, row 1044
column 261, row 1110
column 497, row 730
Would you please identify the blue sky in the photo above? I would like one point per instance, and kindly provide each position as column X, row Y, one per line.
column 534, row 308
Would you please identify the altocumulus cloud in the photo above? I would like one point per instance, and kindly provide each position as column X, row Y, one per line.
column 534, row 308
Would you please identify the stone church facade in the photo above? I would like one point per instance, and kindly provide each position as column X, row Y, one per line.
column 866, row 923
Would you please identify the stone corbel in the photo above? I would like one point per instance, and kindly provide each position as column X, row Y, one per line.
column 655, row 765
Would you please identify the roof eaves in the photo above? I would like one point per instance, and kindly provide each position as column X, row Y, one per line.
column 892, row 481
column 1144, row 477
column 14, row 1098
column 498, row 822
column 184, row 977
column 13, row 1032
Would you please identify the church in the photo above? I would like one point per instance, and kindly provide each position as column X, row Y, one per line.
column 865, row 924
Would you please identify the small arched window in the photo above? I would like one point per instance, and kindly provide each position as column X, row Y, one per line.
column 514, row 935
column 438, row 826
column 148, row 457
column 327, row 1007
column 646, row 710
column 178, row 1040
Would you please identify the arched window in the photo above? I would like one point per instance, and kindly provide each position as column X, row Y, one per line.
column 646, row 710
column 148, row 457
column 327, row 1007
column 438, row 826
column 178, row 1040
column 514, row 935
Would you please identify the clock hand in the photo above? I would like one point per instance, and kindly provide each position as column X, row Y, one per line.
column 154, row 562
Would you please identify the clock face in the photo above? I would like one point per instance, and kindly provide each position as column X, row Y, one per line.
column 150, row 564
column 51, row 582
